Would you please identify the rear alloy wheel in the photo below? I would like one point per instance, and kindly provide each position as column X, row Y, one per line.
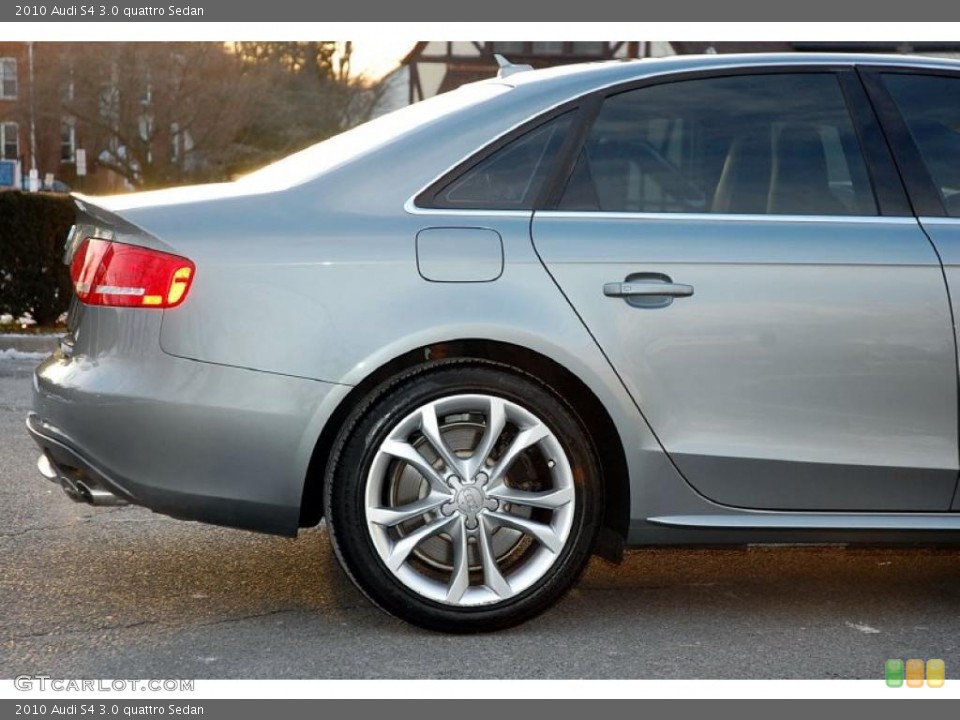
column 464, row 499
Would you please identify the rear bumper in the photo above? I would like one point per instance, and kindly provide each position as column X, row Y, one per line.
column 191, row 440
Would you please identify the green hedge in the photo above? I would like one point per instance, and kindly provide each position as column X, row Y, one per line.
column 33, row 278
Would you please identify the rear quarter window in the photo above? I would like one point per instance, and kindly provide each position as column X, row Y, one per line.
column 511, row 177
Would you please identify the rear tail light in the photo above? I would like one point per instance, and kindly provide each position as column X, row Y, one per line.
column 111, row 273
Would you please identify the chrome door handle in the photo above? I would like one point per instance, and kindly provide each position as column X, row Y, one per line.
column 647, row 289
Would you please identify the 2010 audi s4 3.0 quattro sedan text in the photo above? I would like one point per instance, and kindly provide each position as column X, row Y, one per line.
column 549, row 315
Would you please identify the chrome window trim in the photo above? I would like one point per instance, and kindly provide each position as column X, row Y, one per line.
column 725, row 217
column 949, row 221
column 412, row 209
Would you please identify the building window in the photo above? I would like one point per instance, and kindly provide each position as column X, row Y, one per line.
column 8, row 78
column 9, row 141
column 174, row 143
column 597, row 49
column 547, row 48
column 68, row 141
column 554, row 48
column 110, row 105
column 508, row 47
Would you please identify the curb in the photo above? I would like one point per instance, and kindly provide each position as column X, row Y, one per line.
column 29, row 343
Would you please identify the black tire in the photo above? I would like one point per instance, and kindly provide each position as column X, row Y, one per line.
column 350, row 481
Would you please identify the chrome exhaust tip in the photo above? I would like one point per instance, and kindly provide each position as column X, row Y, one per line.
column 98, row 496
column 77, row 489
column 71, row 490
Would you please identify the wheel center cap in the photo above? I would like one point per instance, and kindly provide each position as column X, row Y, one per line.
column 469, row 500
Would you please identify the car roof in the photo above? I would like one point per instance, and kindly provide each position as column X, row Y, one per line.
column 611, row 72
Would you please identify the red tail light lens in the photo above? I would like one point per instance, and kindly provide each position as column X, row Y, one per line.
column 110, row 273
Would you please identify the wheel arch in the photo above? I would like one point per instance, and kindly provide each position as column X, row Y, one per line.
column 594, row 417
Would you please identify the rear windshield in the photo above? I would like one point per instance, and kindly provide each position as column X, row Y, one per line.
column 317, row 159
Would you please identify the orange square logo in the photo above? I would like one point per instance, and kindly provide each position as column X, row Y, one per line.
column 914, row 673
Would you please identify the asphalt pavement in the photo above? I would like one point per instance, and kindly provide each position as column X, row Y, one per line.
column 125, row 593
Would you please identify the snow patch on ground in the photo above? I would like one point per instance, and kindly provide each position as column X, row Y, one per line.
column 11, row 354
column 862, row 627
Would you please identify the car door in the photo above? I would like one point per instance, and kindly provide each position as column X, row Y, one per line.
column 741, row 250
column 920, row 109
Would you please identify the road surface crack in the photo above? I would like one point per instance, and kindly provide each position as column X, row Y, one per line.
column 42, row 528
column 146, row 622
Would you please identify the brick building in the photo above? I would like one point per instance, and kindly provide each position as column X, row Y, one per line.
column 34, row 132
column 13, row 65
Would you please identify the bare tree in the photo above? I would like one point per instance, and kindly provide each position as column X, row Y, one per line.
column 161, row 114
column 310, row 94
column 155, row 113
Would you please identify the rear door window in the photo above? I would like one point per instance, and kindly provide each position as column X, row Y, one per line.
column 930, row 106
column 746, row 144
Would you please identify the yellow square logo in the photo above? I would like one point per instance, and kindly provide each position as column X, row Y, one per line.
column 936, row 673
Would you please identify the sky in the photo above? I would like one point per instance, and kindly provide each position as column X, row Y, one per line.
column 376, row 58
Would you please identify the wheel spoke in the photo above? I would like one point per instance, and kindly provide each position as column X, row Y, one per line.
column 406, row 452
column 492, row 577
column 402, row 549
column 431, row 431
column 548, row 499
column 526, row 438
column 390, row 516
column 460, row 578
column 541, row 532
column 496, row 420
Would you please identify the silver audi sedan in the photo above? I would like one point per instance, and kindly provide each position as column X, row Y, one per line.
column 693, row 300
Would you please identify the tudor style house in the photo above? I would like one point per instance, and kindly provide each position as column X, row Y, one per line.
column 431, row 68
